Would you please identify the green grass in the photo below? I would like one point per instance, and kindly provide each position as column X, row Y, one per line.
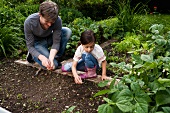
column 149, row 20
column 146, row 22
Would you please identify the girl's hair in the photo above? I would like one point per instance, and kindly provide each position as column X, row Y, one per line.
column 49, row 10
column 87, row 37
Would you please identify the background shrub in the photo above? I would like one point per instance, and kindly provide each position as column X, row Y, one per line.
column 68, row 14
column 11, row 32
column 26, row 9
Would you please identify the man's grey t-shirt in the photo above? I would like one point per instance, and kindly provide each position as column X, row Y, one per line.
column 33, row 31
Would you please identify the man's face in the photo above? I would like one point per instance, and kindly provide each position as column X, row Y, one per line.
column 45, row 24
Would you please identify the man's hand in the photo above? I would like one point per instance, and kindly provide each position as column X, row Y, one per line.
column 53, row 52
column 52, row 66
column 45, row 61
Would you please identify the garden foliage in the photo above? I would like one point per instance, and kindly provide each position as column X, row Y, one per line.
column 145, row 86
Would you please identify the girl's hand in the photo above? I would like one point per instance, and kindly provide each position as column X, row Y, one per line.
column 78, row 80
column 104, row 77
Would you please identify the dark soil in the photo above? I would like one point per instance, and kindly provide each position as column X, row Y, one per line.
column 47, row 93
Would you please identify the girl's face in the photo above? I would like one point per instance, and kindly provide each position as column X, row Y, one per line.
column 44, row 23
column 89, row 47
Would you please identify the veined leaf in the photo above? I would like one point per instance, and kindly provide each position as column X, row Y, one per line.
column 166, row 109
column 135, row 86
column 142, row 97
column 154, row 86
column 162, row 97
column 124, row 105
column 125, row 94
column 108, row 100
column 141, row 107
column 137, row 59
column 147, row 58
column 161, row 42
column 105, row 108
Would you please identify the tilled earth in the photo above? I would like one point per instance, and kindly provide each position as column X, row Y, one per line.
column 46, row 93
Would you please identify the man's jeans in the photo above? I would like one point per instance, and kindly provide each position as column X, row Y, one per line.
column 43, row 45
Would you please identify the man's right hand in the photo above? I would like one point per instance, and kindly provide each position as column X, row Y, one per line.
column 45, row 61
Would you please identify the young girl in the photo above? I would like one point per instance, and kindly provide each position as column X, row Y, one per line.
column 88, row 57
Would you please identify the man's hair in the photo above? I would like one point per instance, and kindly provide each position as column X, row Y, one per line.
column 87, row 37
column 49, row 10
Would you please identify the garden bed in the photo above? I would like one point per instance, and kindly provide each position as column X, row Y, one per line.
column 48, row 92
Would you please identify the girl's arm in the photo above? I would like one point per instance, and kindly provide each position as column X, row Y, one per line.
column 77, row 78
column 104, row 70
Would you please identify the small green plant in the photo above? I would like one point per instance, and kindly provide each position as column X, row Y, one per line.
column 19, row 96
column 70, row 110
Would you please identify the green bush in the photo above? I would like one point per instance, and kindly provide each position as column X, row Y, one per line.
column 26, row 9
column 11, row 32
column 10, row 42
column 68, row 15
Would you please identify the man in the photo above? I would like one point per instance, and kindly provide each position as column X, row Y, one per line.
column 45, row 37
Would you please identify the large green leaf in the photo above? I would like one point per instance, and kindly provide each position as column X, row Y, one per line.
column 141, row 96
column 109, row 101
column 166, row 109
column 161, row 42
column 125, row 94
column 105, row 108
column 154, row 86
column 124, row 105
column 124, row 100
column 137, row 59
column 147, row 58
column 135, row 86
column 162, row 97
column 141, row 107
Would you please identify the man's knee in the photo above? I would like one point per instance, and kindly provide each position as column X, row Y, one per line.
column 66, row 32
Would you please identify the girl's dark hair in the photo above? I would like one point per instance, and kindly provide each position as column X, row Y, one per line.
column 87, row 37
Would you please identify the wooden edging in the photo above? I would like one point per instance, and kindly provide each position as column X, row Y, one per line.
column 95, row 80
column 59, row 71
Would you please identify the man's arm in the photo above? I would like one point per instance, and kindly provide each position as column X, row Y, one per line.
column 29, row 37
